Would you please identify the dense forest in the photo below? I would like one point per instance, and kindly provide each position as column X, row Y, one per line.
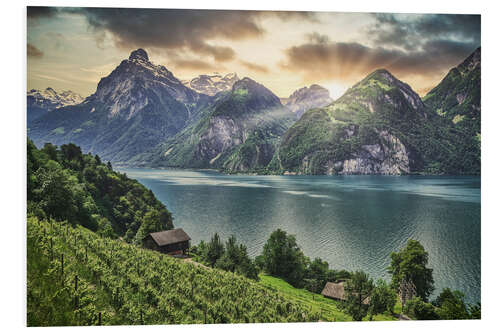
column 66, row 185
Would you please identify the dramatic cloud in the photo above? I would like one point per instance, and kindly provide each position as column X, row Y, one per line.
column 254, row 67
column 411, row 33
column 33, row 51
column 40, row 12
column 322, row 59
column 179, row 29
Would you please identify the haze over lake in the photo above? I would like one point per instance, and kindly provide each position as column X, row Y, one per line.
column 353, row 222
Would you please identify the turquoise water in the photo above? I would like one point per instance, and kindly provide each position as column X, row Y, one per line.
column 353, row 222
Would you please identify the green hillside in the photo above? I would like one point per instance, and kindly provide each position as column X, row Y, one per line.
column 329, row 309
column 128, row 285
column 238, row 133
column 66, row 185
column 379, row 126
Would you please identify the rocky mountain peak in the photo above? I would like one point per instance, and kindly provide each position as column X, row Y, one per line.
column 137, row 83
column 49, row 99
column 306, row 98
column 379, row 83
column 212, row 84
column 255, row 90
column 139, row 54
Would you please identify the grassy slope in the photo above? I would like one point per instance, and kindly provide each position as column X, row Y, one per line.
column 328, row 308
column 130, row 286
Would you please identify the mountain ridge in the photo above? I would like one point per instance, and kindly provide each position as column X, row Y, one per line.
column 135, row 107
column 238, row 133
column 39, row 102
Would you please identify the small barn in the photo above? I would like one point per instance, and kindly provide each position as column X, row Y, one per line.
column 172, row 242
column 336, row 291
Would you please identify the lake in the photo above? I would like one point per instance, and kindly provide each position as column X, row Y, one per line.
column 353, row 222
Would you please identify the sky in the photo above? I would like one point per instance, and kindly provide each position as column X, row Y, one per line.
column 73, row 48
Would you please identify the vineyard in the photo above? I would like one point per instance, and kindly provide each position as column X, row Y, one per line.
column 75, row 277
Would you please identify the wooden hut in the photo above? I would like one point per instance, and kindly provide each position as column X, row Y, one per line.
column 336, row 291
column 172, row 242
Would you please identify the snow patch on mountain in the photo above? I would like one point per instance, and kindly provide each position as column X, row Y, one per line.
column 211, row 84
column 50, row 99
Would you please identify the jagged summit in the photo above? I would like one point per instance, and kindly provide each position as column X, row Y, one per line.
column 49, row 99
column 305, row 98
column 377, row 86
column 136, row 106
column 137, row 83
column 40, row 102
column 139, row 54
column 212, row 84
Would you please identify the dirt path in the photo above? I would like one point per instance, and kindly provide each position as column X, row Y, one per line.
column 191, row 261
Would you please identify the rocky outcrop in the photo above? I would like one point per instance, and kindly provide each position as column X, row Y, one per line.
column 389, row 157
column 222, row 134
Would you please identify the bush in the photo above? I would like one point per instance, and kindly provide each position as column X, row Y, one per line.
column 418, row 309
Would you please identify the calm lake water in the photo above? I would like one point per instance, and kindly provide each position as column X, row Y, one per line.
column 353, row 222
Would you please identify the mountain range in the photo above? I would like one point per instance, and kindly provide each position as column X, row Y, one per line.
column 212, row 84
column 137, row 106
column 39, row 102
column 381, row 126
column 239, row 133
column 142, row 115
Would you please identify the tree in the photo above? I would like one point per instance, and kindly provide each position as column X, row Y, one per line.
column 151, row 222
column 383, row 298
column 282, row 257
column 475, row 311
column 53, row 191
column 358, row 290
column 50, row 150
column 410, row 264
column 451, row 305
column 215, row 250
column 420, row 310
column 246, row 266
column 317, row 274
column 231, row 258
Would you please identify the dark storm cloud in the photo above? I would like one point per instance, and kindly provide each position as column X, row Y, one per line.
column 254, row 67
column 320, row 58
column 33, row 51
column 410, row 34
column 34, row 12
column 180, row 29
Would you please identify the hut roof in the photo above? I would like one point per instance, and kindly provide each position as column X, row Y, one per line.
column 334, row 290
column 337, row 291
column 166, row 237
